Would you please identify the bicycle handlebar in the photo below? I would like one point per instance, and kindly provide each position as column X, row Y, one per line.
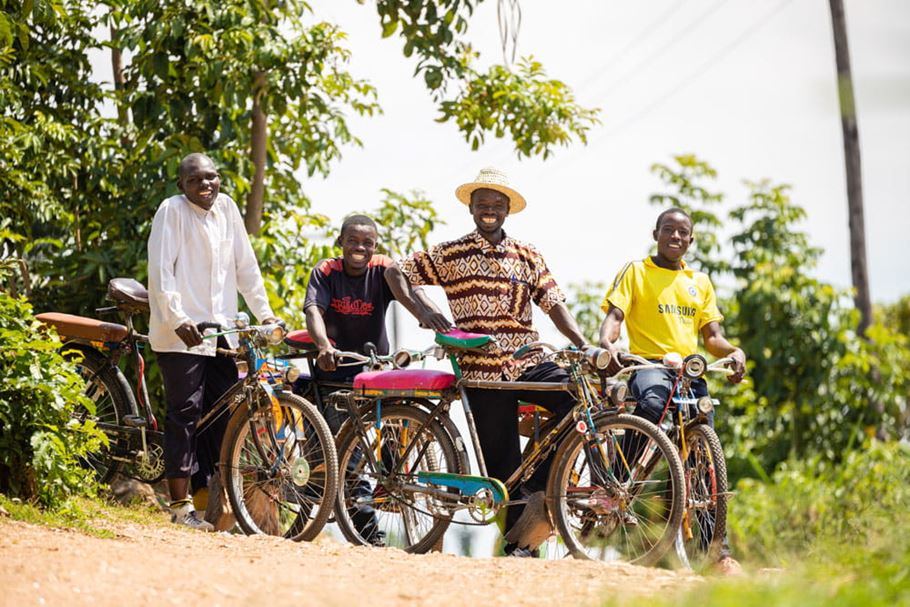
column 633, row 362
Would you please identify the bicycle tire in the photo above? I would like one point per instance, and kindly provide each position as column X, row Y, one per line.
column 359, row 477
column 106, row 385
column 616, row 519
column 280, row 471
column 704, row 523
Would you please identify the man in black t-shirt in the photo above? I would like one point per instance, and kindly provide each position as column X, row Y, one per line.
column 347, row 298
column 346, row 303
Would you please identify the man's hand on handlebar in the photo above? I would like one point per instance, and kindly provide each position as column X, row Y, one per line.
column 189, row 334
column 326, row 358
column 615, row 364
column 739, row 366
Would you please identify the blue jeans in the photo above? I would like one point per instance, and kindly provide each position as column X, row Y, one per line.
column 652, row 388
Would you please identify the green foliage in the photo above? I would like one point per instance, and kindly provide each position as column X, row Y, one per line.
column 405, row 223
column 686, row 189
column 40, row 440
column 819, row 388
column 817, row 504
column 537, row 113
column 584, row 301
column 895, row 316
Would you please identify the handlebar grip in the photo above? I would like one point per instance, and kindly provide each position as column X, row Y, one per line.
column 624, row 358
column 208, row 325
column 522, row 351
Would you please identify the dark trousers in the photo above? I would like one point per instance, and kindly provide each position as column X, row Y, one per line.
column 192, row 385
column 496, row 416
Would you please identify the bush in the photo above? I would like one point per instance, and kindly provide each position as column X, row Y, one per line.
column 826, row 511
column 40, row 440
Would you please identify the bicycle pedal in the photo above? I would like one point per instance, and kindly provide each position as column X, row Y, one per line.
column 133, row 421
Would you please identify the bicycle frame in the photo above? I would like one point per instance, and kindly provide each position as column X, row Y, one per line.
column 579, row 418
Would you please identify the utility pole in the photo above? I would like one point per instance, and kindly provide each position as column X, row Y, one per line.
column 850, row 129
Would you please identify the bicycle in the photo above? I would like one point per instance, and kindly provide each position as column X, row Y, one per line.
column 688, row 422
column 402, row 443
column 277, row 463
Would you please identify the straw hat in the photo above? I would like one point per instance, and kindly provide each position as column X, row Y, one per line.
column 491, row 179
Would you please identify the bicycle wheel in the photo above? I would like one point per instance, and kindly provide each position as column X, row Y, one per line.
column 107, row 387
column 280, row 468
column 704, row 522
column 620, row 497
column 373, row 508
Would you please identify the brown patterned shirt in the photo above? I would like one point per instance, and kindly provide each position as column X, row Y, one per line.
column 490, row 289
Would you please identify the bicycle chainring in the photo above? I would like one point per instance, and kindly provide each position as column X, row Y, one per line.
column 151, row 468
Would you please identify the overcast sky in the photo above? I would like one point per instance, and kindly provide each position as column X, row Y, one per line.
column 748, row 86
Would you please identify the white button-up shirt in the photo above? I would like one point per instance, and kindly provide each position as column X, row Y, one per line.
column 198, row 261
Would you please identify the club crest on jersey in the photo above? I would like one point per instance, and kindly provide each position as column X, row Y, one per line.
column 692, row 291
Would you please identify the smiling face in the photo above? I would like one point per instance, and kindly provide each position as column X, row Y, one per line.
column 673, row 235
column 199, row 181
column 489, row 209
column 358, row 243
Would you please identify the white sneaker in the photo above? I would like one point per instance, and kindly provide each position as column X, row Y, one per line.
column 186, row 515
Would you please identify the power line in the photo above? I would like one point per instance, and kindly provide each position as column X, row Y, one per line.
column 648, row 59
column 697, row 72
column 638, row 39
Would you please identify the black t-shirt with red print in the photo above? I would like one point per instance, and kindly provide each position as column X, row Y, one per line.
column 353, row 307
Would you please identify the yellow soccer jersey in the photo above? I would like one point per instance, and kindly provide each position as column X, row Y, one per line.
column 664, row 309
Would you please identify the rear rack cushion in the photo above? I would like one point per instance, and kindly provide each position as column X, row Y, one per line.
column 80, row 327
column 404, row 380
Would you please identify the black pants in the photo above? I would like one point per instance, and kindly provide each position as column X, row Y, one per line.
column 496, row 416
column 192, row 384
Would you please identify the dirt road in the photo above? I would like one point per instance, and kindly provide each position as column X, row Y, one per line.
column 163, row 565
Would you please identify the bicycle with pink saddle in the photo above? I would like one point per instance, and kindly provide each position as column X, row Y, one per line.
column 404, row 467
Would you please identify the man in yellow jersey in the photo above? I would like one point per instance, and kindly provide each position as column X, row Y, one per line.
column 666, row 305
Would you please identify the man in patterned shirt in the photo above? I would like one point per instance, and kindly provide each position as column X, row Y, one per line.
column 490, row 280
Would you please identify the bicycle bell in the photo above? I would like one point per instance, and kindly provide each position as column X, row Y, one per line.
column 242, row 320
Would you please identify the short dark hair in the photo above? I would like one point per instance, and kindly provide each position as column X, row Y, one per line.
column 191, row 159
column 671, row 211
column 356, row 220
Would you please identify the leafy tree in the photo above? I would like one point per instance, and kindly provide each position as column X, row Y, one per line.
column 818, row 388
column 258, row 85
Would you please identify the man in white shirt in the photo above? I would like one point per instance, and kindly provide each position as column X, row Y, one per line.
column 199, row 258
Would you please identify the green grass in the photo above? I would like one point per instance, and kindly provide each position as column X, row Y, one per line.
column 839, row 533
column 91, row 516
